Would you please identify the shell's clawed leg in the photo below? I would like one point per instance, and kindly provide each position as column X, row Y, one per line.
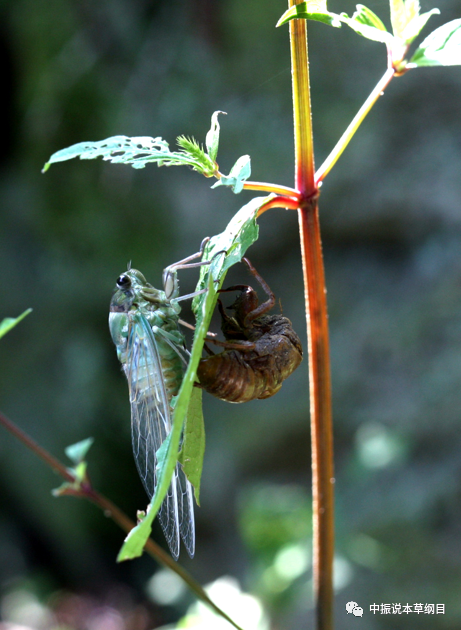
column 244, row 346
column 265, row 306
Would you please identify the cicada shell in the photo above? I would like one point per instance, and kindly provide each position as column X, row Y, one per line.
column 262, row 350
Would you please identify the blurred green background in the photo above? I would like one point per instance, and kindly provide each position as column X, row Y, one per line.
column 77, row 70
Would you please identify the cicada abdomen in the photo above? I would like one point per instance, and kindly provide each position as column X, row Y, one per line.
column 261, row 350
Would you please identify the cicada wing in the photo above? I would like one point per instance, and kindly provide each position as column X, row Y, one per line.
column 151, row 422
column 184, row 490
column 186, row 510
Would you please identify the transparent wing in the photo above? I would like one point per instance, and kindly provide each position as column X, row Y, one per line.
column 186, row 510
column 150, row 425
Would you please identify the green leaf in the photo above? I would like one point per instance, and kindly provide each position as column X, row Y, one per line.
column 10, row 322
column 240, row 233
column 193, row 447
column 363, row 23
column 80, row 473
column 416, row 25
column 398, row 17
column 441, row 48
column 365, row 16
column 191, row 148
column 310, row 11
column 137, row 152
column 77, row 452
column 134, row 543
column 162, row 455
column 212, row 137
column 239, row 173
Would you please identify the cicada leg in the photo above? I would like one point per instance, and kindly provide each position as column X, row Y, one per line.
column 170, row 282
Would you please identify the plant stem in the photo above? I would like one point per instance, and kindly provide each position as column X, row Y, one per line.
column 317, row 331
column 274, row 188
column 302, row 116
column 86, row 491
column 279, row 202
column 321, row 415
column 342, row 143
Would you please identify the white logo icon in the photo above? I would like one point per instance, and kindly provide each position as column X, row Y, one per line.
column 354, row 608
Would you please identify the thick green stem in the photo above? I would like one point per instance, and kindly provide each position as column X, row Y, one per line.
column 317, row 331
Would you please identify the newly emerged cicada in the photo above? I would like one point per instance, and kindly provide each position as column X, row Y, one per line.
column 261, row 350
column 144, row 326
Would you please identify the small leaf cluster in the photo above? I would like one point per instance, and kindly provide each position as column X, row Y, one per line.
column 441, row 48
column 76, row 453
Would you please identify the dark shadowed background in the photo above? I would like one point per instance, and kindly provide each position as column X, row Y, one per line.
column 77, row 70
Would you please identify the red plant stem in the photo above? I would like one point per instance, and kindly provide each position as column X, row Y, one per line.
column 321, row 415
column 317, row 331
column 279, row 202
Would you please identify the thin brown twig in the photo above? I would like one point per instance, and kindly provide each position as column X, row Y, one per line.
column 84, row 490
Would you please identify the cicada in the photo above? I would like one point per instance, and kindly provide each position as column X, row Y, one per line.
column 261, row 350
column 144, row 324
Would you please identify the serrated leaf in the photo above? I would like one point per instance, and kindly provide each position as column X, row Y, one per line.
column 356, row 23
column 416, row 25
column 10, row 322
column 239, row 173
column 193, row 446
column 77, row 452
column 137, row 152
column 441, row 48
column 240, row 233
column 212, row 137
column 192, row 148
column 310, row 11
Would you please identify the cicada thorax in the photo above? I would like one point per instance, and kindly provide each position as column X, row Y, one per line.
column 266, row 350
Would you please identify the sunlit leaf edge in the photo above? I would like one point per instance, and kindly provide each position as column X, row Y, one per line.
column 300, row 11
column 437, row 42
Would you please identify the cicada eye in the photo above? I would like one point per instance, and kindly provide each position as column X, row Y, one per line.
column 169, row 282
column 124, row 282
